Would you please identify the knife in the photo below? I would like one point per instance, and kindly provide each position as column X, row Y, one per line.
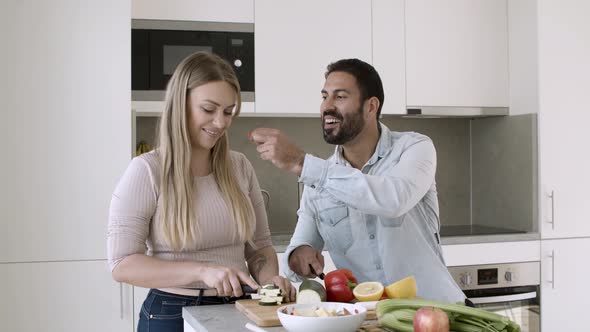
column 321, row 275
column 246, row 290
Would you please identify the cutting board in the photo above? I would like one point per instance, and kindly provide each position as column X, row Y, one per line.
column 262, row 315
column 266, row 315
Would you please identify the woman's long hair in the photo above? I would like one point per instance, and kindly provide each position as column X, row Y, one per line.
column 178, row 219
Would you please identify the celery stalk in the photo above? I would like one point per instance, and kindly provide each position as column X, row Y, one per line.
column 390, row 320
column 461, row 317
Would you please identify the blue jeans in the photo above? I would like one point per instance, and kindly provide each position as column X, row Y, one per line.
column 162, row 311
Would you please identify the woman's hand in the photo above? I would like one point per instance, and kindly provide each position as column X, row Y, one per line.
column 287, row 288
column 227, row 281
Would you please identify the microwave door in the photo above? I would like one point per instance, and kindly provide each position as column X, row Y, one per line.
column 169, row 47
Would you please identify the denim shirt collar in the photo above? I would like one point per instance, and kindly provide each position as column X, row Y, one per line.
column 383, row 146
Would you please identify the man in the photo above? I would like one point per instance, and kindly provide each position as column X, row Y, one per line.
column 373, row 203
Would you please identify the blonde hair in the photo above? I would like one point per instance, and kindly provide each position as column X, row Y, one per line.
column 178, row 219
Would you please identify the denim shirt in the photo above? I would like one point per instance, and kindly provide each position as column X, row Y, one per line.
column 381, row 222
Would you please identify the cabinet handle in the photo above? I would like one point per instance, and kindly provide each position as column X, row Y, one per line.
column 552, row 221
column 121, row 300
column 552, row 281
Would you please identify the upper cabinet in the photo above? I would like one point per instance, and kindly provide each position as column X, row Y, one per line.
column 389, row 53
column 296, row 40
column 564, row 115
column 235, row 11
column 457, row 53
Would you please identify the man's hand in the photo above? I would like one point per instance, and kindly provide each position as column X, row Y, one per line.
column 274, row 146
column 306, row 262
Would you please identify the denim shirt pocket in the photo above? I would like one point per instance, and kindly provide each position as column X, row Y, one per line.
column 392, row 222
column 334, row 225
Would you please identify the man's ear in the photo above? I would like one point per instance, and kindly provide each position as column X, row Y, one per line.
column 372, row 105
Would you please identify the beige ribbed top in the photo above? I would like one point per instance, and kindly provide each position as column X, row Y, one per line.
column 134, row 214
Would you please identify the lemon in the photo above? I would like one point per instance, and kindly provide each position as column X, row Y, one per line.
column 402, row 289
column 368, row 291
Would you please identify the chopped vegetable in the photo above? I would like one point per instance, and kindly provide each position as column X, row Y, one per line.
column 271, row 295
column 317, row 311
column 267, row 301
column 311, row 291
column 269, row 291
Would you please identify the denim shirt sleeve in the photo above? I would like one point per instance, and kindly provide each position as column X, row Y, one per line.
column 306, row 233
column 403, row 180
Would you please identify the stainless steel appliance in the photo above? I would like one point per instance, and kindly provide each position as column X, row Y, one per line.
column 158, row 46
column 510, row 289
column 470, row 230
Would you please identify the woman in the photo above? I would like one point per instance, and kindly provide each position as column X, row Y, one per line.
column 186, row 217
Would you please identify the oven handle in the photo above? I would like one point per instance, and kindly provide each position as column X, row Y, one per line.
column 503, row 298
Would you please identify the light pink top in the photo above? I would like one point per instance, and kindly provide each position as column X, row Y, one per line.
column 134, row 217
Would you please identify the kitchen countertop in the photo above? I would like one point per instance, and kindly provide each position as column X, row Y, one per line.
column 224, row 317
column 229, row 318
column 281, row 241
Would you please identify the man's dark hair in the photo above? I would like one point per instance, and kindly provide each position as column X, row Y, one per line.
column 367, row 78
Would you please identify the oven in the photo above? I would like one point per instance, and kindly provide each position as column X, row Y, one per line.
column 511, row 290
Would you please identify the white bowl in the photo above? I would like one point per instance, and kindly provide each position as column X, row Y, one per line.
column 349, row 323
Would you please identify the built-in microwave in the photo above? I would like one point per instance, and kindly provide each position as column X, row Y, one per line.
column 158, row 46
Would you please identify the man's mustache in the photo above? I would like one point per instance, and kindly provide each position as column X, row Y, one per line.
column 335, row 114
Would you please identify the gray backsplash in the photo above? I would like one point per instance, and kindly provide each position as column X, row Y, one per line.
column 505, row 172
column 450, row 136
column 501, row 194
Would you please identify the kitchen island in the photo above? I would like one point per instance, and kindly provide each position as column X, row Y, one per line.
column 226, row 317
column 217, row 318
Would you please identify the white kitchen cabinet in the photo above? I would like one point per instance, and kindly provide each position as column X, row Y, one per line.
column 564, row 81
column 457, row 53
column 491, row 253
column 67, row 132
column 63, row 296
column 389, row 52
column 234, row 11
column 564, row 280
column 296, row 40
column 66, row 129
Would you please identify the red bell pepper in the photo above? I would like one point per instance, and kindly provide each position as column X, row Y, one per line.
column 339, row 284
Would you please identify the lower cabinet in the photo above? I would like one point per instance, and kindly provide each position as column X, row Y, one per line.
column 564, row 284
column 64, row 297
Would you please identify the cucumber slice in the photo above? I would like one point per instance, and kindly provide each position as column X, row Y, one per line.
column 270, row 286
column 267, row 301
column 272, row 292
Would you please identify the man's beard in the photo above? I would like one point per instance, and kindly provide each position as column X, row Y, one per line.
column 349, row 127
